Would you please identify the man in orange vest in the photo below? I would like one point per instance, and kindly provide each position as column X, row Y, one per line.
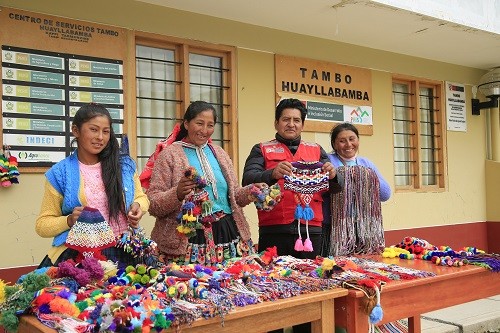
column 269, row 162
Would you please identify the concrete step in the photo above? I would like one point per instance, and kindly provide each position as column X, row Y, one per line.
column 481, row 316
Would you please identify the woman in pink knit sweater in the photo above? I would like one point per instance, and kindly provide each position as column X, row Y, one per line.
column 184, row 231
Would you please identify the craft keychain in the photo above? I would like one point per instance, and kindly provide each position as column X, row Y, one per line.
column 196, row 204
column 306, row 179
column 135, row 242
column 265, row 198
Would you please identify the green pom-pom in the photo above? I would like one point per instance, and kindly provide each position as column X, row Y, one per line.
column 141, row 269
column 96, row 292
column 34, row 282
column 9, row 320
column 130, row 269
column 11, row 290
column 161, row 321
column 145, row 279
column 153, row 273
column 24, row 300
column 136, row 278
column 82, row 305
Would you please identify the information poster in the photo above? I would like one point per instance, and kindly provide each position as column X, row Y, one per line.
column 41, row 92
column 456, row 114
column 50, row 67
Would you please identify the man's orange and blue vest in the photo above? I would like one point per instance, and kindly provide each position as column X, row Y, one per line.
column 275, row 152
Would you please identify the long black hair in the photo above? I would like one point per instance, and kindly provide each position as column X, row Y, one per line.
column 109, row 158
column 194, row 109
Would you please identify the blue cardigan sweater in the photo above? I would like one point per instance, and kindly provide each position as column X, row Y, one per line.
column 64, row 176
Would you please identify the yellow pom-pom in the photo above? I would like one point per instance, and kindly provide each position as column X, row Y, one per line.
column 328, row 264
column 2, row 291
column 389, row 252
column 172, row 291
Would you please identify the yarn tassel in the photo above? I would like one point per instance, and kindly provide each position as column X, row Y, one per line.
column 299, row 246
column 299, row 212
column 308, row 213
column 308, row 246
column 206, row 207
column 377, row 314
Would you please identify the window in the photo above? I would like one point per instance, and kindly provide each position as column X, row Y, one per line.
column 172, row 73
column 418, row 135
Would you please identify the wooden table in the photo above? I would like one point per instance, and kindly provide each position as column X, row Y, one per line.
column 410, row 298
column 316, row 308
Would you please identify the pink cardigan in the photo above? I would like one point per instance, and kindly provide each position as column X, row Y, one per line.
column 164, row 205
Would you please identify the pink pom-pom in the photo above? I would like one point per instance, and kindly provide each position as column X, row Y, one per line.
column 298, row 245
column 308, row 247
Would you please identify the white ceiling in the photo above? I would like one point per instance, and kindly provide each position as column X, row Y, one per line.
column 360, row 22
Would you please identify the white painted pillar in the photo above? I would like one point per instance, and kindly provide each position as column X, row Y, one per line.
column 495, row 133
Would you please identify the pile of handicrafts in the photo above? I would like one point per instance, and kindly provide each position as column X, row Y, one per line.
column 96, row 296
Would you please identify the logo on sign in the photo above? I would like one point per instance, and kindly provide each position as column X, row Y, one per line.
column 275, row 150
column 358, row 114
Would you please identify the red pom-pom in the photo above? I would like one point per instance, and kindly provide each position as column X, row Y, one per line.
column 44, row 298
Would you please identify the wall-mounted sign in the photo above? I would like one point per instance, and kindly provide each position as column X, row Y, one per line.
column 319, row 111
column 333, row 93
column 50, row 67
column 456, row 114
column 41, row 92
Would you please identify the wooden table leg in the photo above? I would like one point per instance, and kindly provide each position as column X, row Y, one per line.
column 326, row 324
column 414, row 324
column 357, row 320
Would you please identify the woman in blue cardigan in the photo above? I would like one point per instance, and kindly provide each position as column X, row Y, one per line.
column 353, row 215
column 95, row 175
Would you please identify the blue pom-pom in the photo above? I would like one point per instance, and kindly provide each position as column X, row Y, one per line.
column 188, row 205
column 193, row 283
column 299, row 212
column 308, row 213
column 376, row 314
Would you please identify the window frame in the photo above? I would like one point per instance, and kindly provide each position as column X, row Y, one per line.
column 182, row 48
column 440, row 155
